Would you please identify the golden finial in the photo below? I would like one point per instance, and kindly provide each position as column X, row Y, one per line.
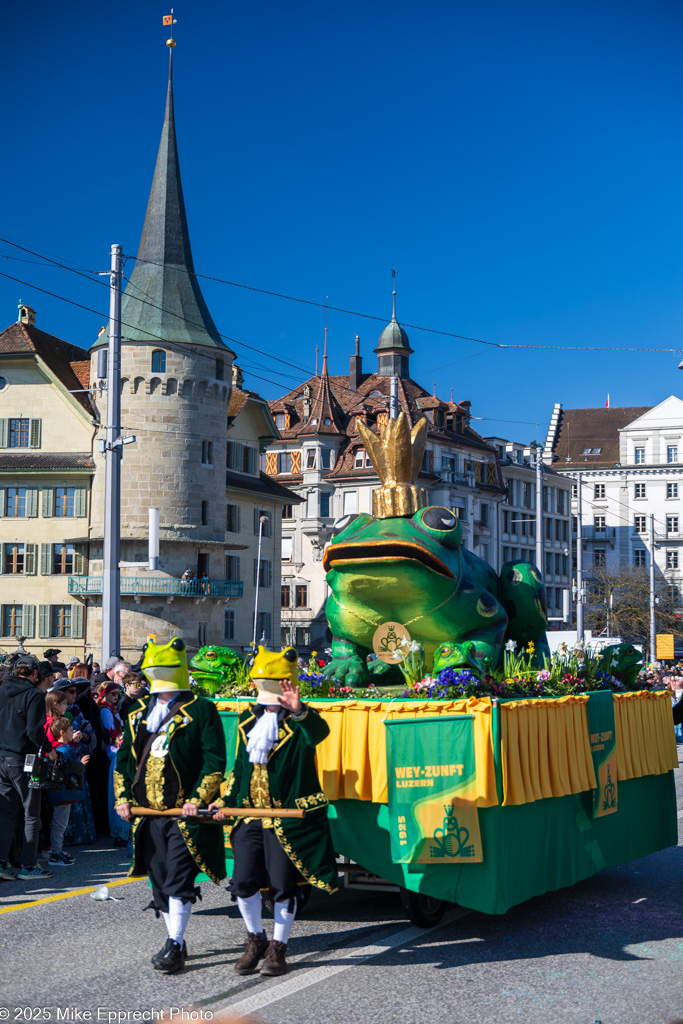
column 168, row 19
column 397, row 457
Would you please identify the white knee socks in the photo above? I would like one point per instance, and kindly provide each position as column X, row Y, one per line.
column 178, row 916
column 250, row 909
column 283, row 920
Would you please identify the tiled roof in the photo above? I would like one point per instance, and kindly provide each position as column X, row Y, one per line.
column 260, row 484
column 70, row 363
column 41, row 461
column 594, row 429
column 369, row 400
column 238, row 400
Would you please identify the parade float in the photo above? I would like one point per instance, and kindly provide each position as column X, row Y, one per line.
column 463, row 765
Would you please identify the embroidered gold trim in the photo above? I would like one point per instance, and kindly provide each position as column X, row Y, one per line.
column 195, row 854
column 225, row 787
column 311, row 802
column 259, row 793
column 119, row 787
column 287, row 847
column 154, row 782
column 208, row 788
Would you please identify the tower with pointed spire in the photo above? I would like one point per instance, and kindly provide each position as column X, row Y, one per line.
column 393, row 349
column 176, row 382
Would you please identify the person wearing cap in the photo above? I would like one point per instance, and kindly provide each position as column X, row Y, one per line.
column 51, row 654
column 22, row 718
column 172, row 756
column 275, row 767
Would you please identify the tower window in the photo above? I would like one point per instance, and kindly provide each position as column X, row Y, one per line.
column 205, row 513
column 158, row 361
column 220, row 369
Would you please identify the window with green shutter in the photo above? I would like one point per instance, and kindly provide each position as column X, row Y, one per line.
column 4, row 432
column 31, row 559
column 80, row 560
column 45, row 560
column 29, row 620
column 79, row 502
column 3, row 498
column 34, row 433
column 76, row 621
column 32, row 502
column 44, row 620
column 48, row 505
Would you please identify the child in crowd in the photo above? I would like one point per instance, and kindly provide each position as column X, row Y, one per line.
column 55, row 707
column 61, row 800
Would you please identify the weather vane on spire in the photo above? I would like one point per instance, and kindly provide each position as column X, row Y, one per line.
column 170, row 20
column 393, row 274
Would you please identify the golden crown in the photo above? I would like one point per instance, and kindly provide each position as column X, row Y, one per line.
column 397, row 457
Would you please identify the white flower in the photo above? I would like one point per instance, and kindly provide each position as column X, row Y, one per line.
column 328, row 650
column 397, row 655
column 511, row 645
column 405, row 641
column 415, row 646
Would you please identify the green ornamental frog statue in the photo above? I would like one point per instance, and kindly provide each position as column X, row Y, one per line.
column 406, row 564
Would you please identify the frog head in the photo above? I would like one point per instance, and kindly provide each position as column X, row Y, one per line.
column 384, row 569
column 165, row 665
column 269, row 667
column 214, row 667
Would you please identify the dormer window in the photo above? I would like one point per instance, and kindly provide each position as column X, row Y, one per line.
column 280, row 420
column 327, row 421
column 158, row 361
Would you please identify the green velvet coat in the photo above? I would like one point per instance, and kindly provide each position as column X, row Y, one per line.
column 196, row 748
column 293, row 782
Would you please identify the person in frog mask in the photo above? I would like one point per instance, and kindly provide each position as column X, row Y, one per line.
column 172, row 755
column 275, row 767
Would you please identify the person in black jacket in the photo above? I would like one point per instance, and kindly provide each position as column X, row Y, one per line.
column 22, row 717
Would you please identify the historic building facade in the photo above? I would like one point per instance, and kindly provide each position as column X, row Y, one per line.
column 322, row 458
column 48, row 426
column 626, row 466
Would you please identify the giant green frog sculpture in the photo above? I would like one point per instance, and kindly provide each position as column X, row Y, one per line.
column 415, row 571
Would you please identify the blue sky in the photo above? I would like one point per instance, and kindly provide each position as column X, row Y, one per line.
column 518, row 163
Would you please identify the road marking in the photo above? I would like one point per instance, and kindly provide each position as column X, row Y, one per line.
column 305, row 979
column 680, row 814
column 68, row 895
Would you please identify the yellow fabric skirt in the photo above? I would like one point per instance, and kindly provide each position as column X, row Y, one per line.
column 544, row 743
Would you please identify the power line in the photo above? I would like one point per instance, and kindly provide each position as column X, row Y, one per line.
column 413, row 327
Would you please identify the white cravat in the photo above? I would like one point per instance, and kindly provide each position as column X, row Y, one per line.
column 263, row 737
column 157, row 715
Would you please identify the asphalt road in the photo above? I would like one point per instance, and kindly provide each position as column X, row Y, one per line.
column 605, row 951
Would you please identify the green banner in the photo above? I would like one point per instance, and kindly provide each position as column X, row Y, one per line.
column 432, row 794
column 604, row 750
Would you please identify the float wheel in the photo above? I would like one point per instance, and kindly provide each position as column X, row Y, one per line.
column 422, row 910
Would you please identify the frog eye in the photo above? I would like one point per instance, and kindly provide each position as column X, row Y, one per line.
column 342, row 523
column 144, row 647
column 178, row 644
column 438, row 518
column 289, row 654
column 210, row 654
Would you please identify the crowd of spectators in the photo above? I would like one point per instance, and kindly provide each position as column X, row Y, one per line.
column 71, row 714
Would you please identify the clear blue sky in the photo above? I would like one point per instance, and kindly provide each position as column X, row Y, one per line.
column 519, row 163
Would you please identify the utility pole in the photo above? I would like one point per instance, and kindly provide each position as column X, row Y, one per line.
column 393, row 398
column 579, row 560
column 111, row 552
column 262, row 522
column 653, row 634
column 539, row 509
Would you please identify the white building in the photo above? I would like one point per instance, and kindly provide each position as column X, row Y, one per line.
column 628, row 465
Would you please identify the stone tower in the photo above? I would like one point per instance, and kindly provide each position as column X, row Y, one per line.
column 176, row 380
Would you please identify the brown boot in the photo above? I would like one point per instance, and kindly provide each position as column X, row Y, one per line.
column 275, row 963
column 254, row 951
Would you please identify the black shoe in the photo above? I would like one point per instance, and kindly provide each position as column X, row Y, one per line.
column 118, row 842
column 171, row 958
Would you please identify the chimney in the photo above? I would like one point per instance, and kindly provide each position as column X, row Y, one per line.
column 466, row 406
column 355, row 367
column 237, row 377
column 26, row 315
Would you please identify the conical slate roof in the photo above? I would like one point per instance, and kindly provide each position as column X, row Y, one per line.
column 173, row 310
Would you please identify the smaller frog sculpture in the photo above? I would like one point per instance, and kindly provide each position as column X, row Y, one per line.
column 622, row 661
column 165, row 665
column 214, row 667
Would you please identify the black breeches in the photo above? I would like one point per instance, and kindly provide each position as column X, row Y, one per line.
column 168, row 862
column 261, row 863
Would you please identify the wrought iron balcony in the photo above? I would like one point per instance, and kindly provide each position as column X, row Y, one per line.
column 152, row 586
